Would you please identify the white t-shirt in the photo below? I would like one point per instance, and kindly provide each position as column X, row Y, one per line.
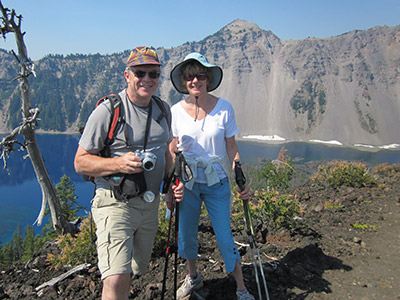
column 204, row 138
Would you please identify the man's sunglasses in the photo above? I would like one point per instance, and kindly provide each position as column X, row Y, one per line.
column 142, row 74
column 199, row 76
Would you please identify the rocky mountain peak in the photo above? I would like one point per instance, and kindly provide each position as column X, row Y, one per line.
column 239, row 26
column 344, row 88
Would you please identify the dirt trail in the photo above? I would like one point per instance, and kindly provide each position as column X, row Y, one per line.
column 375, row 266
column 328, row 256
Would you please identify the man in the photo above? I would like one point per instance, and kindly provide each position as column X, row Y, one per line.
column 126, row 228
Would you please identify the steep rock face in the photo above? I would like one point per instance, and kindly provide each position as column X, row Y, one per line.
column 344, row 88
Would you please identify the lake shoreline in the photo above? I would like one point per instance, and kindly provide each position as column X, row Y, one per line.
column 21, row 193
column 271, row 141
column 283, row 142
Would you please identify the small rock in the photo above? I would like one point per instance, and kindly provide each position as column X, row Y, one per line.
column 92, row 269
column 319, row 207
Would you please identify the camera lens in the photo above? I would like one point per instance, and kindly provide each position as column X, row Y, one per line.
column 149, row 161
column 148, row 165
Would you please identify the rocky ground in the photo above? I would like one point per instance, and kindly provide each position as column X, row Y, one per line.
column 324, row 257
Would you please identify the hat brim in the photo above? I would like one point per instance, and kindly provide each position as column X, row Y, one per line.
column 176, row 71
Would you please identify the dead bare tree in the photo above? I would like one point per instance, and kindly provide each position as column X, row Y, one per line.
column 11, row 23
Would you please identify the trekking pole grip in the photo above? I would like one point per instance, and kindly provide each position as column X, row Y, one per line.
column 241, row 181
column 239, row 176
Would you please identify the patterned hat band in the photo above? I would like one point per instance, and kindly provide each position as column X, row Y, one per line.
column 143, row 56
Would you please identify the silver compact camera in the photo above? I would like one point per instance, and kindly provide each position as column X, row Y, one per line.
column 148, row 159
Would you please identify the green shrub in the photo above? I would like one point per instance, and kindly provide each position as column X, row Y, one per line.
column 160, row 242
column 343, row 173
column 364, row 226
column 386, row 169
column 275, row 209
column 74, row 250
column 278, row 173
column 237, row 210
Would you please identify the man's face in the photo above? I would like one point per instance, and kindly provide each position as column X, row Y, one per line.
column 142, row 81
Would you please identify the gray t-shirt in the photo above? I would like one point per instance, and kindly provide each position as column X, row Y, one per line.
column 96, row 130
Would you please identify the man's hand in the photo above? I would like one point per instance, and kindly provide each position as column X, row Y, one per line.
column 93, row 165
column 129, row 163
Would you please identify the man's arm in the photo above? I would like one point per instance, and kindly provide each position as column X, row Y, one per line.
column 93, row 165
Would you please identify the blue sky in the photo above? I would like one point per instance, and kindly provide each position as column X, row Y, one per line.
column 105, row 27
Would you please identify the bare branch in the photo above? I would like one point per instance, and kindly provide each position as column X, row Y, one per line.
column 62, row 276
column 8, row 21
column 278, row 162
column 39, row 219
column 8, row 142
column 12, row 23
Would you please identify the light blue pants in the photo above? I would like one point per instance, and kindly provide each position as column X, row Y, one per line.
column 217, row 201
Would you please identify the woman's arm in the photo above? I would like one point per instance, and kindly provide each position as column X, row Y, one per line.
column 175, row 191
column 233, row 154
column 232, row 150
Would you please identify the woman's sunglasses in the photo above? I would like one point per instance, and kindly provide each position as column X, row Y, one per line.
column 142, row 74
column 199, row 76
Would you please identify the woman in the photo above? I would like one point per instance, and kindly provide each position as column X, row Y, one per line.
column 204, row 129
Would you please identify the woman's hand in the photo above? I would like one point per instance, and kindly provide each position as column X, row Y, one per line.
column 175, row 194
column 245, row 194
column 178, row 191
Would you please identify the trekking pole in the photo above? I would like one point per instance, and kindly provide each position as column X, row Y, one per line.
column 179, row 171
column 241, row 180
column 176, row 243
column 167, row 253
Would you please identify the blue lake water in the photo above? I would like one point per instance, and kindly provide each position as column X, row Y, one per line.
column 21, row 197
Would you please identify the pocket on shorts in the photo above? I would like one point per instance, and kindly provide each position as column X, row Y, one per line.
column 103, row 198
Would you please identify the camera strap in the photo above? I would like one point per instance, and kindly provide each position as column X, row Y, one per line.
column 148, row 123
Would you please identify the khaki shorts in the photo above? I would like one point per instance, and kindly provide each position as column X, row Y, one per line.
column 125, row 233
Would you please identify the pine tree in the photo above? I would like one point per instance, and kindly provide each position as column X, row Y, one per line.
column 66, row 193
column 7, row 253
column 17, row 242
column 1, row 254
column 29, row 243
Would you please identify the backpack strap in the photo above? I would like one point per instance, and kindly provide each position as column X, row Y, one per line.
column 164, row 113
column 116, row 121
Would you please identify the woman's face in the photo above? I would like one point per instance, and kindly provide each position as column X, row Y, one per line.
column 196, row 84
column 195, row 80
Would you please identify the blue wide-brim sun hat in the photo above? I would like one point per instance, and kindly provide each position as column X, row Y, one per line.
column 216, row 71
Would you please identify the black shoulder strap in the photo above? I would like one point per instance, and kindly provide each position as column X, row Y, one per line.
column 148, row 122
column 164, row 113
column 117, row 119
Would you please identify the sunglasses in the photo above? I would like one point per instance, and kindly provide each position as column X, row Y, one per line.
column 199, row 76
column 142, row 74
